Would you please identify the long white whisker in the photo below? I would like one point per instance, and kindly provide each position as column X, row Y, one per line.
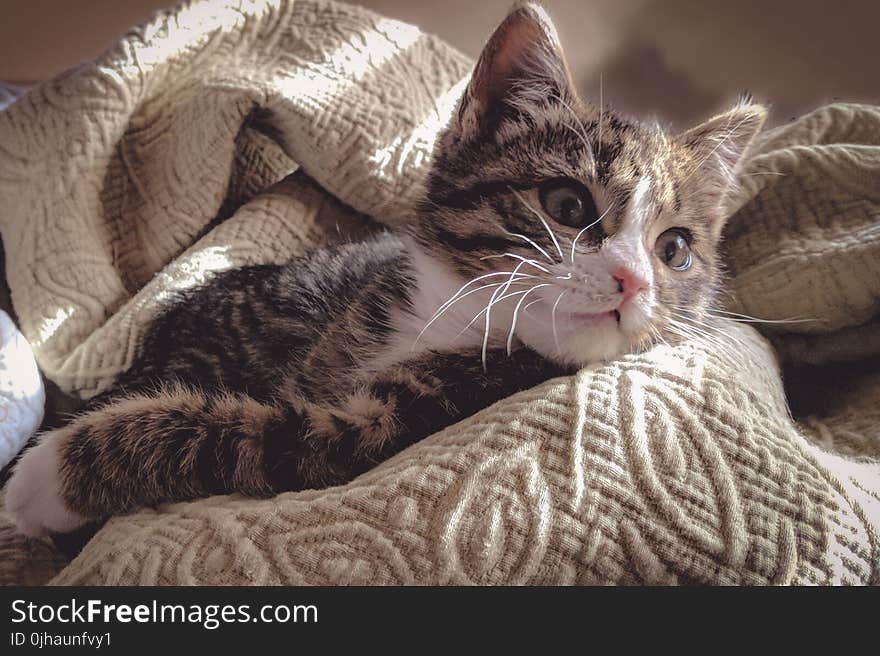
column 446, row 306
column 721, row 340
column 533, row 263
column 684, row 331
column 724, row 336
column 657, row 335
column 583, row 230
column 540, row 250
column 541, row 218
column 489, row 311
column 516, row 313
column 745, row 318
column 715, row 334
column 483, row 311
column 578, row 236
column 472, row 281
column 529, row 314
column 453, row 299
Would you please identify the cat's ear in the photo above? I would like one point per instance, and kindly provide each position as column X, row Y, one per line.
column 522, row 68
column 720, row 143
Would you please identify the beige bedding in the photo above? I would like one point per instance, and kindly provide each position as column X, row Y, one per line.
column 679, row 465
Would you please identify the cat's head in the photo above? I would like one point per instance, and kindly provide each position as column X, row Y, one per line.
column 609, row 227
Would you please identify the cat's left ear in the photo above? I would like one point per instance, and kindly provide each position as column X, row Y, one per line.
column 521, row 69
column 720, row 143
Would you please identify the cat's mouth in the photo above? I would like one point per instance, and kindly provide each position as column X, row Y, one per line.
column 595, row 317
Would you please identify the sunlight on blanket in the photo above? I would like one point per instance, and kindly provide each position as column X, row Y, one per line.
column 419, row 143
column 51, row 324
column 193, row 24
column 184, row 273
column 346, row 65
column 194, row 269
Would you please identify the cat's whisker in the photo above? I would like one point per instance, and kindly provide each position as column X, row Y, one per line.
column 725, row 346
column 723, row 339
column 516, row 313
column 479, row 314
column 726, row 337
column 709, row 334
column 687, row 333
column 533, row 263
column 745, row 318
column 458, row 296
column 452, row 298
column 489, row 311
column 583, row 230
column 654, row 336
column 659, row 334
column 553, row 321
column 645, row 342
column 540, row 218
column 575, row 240
column 530, row 241
column 478, row 289
column 529, row 314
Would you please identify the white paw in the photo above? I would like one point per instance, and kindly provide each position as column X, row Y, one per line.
column 33, row 493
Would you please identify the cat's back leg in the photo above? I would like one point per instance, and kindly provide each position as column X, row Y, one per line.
column 173, row 444
column 183, row 443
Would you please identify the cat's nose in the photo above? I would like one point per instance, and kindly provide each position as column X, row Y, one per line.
column 629, row 283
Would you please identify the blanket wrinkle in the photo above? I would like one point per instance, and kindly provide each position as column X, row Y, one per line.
column 227, row 133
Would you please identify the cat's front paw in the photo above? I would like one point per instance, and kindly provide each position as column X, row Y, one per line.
column 33, row 494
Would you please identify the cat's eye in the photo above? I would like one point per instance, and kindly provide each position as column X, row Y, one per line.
column 673, row 249
column 568, row 202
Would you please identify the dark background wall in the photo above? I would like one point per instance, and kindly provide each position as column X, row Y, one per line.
column 679, row 59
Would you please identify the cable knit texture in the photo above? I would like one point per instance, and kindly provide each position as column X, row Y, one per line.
column 173, row 155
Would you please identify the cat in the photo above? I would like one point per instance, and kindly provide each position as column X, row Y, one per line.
column 553, row 233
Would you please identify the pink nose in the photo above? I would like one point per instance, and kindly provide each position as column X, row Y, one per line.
column 629, row 283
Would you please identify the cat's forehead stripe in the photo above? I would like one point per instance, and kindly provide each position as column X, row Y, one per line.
column 640, row 202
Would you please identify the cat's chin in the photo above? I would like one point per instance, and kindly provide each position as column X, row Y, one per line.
column 577, row 345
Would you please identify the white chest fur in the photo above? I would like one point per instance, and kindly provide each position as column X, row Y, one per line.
column 460, row 326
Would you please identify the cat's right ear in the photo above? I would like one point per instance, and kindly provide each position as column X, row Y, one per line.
column 521, row 69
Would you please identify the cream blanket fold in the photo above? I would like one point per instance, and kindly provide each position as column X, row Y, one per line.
column 173, row 155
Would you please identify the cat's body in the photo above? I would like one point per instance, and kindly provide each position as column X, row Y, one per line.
column 321, row 328
column 552, row 234
column 286, row 377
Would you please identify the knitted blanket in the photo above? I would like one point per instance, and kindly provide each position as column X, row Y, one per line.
column 173, row 155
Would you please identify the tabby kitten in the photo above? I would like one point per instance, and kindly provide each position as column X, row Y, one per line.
column 553, row 233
